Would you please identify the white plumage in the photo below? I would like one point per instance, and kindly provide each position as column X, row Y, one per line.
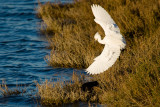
column 113, row 41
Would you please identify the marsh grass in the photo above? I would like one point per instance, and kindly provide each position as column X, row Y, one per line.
column 134, row 80
column 6, row 91
column 58, row 93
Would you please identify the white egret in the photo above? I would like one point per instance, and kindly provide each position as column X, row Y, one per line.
column 113, row 41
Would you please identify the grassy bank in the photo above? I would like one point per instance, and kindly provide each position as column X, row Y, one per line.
column 134, row 80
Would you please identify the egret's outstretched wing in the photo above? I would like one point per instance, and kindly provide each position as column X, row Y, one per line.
column 103, row 18
column 104, row 61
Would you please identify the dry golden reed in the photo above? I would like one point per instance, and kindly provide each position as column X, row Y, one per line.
column 6, row 91
column 134, row 80
column 58, row 93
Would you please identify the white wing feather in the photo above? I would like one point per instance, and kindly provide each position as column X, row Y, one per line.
column 101, row 14
column 113, row 41
column 104, row 61
column 104, row 19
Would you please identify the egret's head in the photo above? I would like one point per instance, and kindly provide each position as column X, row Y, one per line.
column 97, row 36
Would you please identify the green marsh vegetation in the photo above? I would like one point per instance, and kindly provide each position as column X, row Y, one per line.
column 134, row 80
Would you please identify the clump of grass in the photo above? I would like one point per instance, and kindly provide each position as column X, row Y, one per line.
column 134, row 80
column 57, row 93
column 5, row 91
column 71, row 40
